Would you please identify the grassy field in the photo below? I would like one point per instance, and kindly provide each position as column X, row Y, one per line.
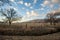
column 55, row 36
column 30, row 31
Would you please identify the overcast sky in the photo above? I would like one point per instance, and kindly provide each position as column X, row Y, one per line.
column 33, row 9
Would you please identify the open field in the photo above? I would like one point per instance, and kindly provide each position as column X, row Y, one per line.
column 55, row 36
column 29, row 29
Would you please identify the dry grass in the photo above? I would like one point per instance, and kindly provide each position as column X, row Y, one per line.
column 32, row 31
column 55, row 36
column 29, row 29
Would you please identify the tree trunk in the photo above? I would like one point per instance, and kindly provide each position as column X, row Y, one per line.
column 9, row 22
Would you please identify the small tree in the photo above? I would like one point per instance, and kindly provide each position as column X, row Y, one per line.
column 50, row 18
column 10, row 15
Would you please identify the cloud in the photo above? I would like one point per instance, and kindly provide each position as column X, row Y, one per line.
column 51, row 5
column 31, row 14
column 42, row 5
column 41, row 8
column 31, row 7
column 15, row 9
column 55, row 1
column 23, row 8
column 27, row 4
column 1, row 18
column 54, row 12
column 59, row 8
column 1, row 3
column 42, row 15
column 8, row 8
column 46, row 2
column 12, row 0
column 35, row 1
column 20, row 2
column 28, row 14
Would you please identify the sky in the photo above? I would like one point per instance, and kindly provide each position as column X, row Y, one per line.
column 32, row 9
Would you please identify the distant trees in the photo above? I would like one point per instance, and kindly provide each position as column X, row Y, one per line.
column 52, row 17
column 10, row 15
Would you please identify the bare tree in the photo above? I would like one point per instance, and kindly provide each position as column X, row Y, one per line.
column 10, row 15
column 52, row 17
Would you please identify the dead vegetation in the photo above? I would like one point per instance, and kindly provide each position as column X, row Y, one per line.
column 55, row 36
column 29, row 29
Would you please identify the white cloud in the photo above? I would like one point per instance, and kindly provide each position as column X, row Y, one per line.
column 8, row 8
column 15, row 9
column 51, row 5
column 42, row 15
column 29, row 16
column 32, row 13
column 35, row 1
column 27, row 4
column 42, row 5
column 41, row 8
column 55, row 1
column 12, row 0
column 28, row 13
column 25, row 18
column 23, row 8
column 31, row 7
column 1, row 3
column 20, row 2
column 46, row 2
column 54, row 11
